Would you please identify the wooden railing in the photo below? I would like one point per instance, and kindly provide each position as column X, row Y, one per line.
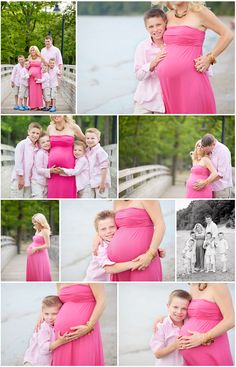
column 131, row 178
column 7, row 240
column 112, row 153
column 7, row 155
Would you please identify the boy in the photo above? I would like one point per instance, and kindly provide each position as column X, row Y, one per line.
column 99, row 173
column 24, row 87
column 43, row 342
column 15, row 79
column 166, row 342
column 40, row 171
column 24, row 159
column 54, row 74
column 222, row 248
column 210, row 253
column 45, row 87
column 148, row 95
column 101, row 267
column 81, row 170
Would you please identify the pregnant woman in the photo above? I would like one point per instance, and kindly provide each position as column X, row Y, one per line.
column 199, row 237
column 38, row 264
column 140, row 230
column 35, row 72
column 62, row 132
column 202, row 169
column 210, row 316
column 183, row 72
column 83, row 305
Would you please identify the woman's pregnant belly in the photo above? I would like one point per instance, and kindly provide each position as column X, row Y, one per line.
column 73, row 314
column 61, row 157
column 129, row 243
column 35, row 72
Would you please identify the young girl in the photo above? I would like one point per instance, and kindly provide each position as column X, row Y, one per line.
column 38, row 264
column 42, row 342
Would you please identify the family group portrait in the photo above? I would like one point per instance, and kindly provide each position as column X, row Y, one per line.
column 177, row 157
column 59, row 156
column 206, row 240
column 38, row 71
column 164, row 57
column 59, row 324
column 118, row 241
column 184, row 324
column 30, row 240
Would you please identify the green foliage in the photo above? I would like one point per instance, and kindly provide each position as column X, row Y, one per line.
column 27, row 23
column 138, row 8
column 168, row 140
column 18, row 214
column 222, row 212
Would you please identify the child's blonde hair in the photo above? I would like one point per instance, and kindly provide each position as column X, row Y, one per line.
column 51, row 301
column 35, row 125
column 43, row 134
column 20, row 56
column 180, row 293
column 80, row 143
column 95, row 131
column 41, row 219
column 103, row 215
column 68, row 119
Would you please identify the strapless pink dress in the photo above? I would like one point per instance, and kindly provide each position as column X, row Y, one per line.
column 185, row 90
column 133, row 238
column 35, row 89
column 78, row 305
column 203, row 316
column 38, row 264
column 61, row 155
column 198, row 173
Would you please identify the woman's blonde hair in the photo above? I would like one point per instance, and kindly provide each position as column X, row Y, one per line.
column 68, row 119
column 198, row 225
column 41, row 219
column 193, row 5
column 36, row 49
column 195, row 155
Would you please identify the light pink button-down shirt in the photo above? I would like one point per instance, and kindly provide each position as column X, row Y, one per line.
column 221, row 160
column 15, row 75
column 52, row 53
column 95, row 269
column 24, row 160
column 166, row 334
column 38, row 353
column 81, row 172
column 53, row 77
column 40, row 171
column 148, row 92
column 98, row 159
column 24, row 77
column 45, row 80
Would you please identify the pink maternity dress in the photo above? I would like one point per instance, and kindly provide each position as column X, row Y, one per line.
column 203, row 316
column 185, row 90
column 61, row 155
column 78, row 305
column 35, row 89
column 133, row 238
column 198, row 172
column 38, row 264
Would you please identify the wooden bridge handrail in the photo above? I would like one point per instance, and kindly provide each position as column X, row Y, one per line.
column 140, row 169
column 7, row 240
column 140, row 179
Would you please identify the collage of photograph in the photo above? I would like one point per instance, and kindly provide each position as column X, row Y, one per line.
column 117, row 183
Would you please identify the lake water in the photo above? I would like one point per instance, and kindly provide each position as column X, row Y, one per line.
column 105, row 53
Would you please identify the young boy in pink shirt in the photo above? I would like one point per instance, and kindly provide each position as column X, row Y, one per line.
column 40, row 171
column 24, row 159
column 24, row 87
column 99, row 173
column 81, row 170
column 166, row 342
column 54, row 74
column 45, row 80
column 15, row 79
column 44, row 341
column 149, row 53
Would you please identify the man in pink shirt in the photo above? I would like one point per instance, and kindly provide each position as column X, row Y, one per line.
column 166, row 341
column 24, row 159
column 52, row 52
column 221, row 160
column 15, row 79
column 148, row 95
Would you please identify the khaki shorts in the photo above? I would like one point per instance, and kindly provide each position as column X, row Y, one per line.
column 18, row 194
column 16, row 90
column 38, row 191
column 23, row 91
column 140, row 110
column 47, row 94
column 223, row 194
column 53, row 93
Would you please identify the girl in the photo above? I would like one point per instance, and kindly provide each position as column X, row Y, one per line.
column 38, row 264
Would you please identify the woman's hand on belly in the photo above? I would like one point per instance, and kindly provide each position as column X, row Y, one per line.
column 142, row 262
column 199, row 185
column 78, row 332
column 193, row 340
